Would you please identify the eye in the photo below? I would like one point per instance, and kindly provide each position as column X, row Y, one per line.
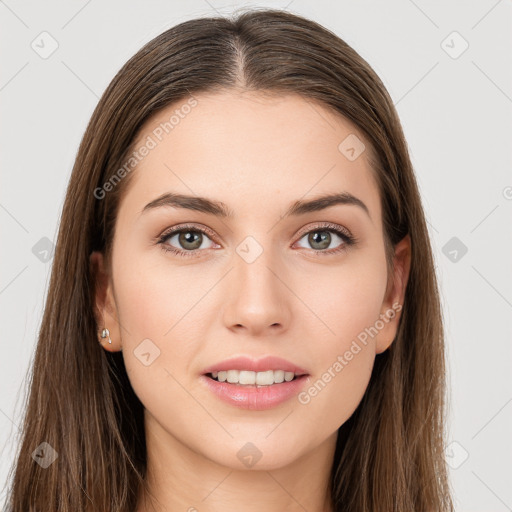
column 321, row 238
column 189, row 240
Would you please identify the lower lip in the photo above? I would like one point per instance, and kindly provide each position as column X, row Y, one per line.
column 254, row 398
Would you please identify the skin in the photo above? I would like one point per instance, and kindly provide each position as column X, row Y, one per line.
column 257, row 154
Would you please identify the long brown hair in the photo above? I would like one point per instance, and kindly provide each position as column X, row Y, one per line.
column 390, row 453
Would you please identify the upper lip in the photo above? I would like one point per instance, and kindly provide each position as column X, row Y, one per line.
column 256, row 365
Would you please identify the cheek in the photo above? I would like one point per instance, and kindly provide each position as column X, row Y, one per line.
column 154, row 299
column 348, row 302
column 158, row 309
column 335, row 392
column 347, row 299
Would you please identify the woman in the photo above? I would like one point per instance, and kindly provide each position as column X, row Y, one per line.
column 244, row 237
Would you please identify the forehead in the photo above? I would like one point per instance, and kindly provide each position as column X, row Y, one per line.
column 249, row 149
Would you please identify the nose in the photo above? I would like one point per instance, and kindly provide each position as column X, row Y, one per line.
column 258, row 300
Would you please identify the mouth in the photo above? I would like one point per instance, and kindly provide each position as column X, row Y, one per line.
column 255, row 384
column 255, row 391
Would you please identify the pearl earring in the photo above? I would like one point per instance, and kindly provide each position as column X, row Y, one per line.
column 106, row 333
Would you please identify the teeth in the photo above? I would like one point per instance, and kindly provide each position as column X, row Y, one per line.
column 246, row 377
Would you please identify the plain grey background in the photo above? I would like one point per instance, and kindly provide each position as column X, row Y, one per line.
column 447, row 66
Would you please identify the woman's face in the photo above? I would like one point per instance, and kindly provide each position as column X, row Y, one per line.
column 272, row 277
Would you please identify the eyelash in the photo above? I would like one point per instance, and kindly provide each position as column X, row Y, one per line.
column 348, row 239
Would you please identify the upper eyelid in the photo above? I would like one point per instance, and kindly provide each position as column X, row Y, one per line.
column 327, row 226
column 191, row 227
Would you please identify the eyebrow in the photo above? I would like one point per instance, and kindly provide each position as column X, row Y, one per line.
column 219, row 209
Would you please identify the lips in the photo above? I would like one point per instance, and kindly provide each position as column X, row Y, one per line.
column 255, row 398
column 256, row 365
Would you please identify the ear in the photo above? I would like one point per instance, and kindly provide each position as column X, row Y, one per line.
column 104, row 303
column 395, row 293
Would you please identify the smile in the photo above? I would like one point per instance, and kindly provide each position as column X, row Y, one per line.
column 248, row 378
